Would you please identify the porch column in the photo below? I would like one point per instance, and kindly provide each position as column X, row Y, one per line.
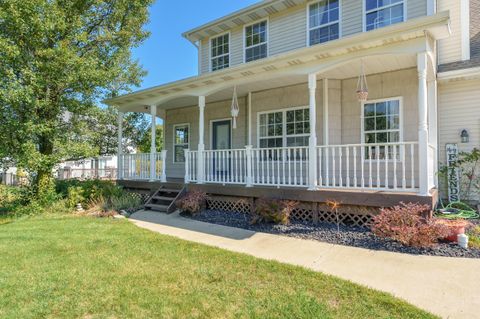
column 153, row 144
column 249, row 106
column 312, row 142
column 433, row 131
column 120, row 145
column 422, row 64
column 201, row 141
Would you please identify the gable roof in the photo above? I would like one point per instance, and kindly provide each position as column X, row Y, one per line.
column 239, row 18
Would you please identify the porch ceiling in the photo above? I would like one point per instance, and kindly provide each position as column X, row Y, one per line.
column 387, row 49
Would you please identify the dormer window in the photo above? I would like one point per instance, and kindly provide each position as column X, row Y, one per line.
column 382, row 13
column 324, row 21
column 256, row 41
column 220, row 47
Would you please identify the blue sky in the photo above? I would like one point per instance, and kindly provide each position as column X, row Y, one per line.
column 166, row 55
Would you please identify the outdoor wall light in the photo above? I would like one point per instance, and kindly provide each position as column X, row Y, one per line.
column 465, row 137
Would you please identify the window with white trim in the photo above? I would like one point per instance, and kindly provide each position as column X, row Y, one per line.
column 381, row 125
column 181, row 139
column 288, row 128
column 220, row 52
column 324, row 21
column 381, row 13
column 256, row 41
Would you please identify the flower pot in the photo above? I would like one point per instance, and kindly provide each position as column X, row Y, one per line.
column 455, row 227
column 454, row 232
column 362, row 96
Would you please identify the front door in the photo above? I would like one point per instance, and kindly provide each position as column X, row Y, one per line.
column 221, row 140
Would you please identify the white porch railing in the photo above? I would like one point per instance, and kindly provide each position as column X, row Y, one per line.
column 137, row 166
column 390, row 167
column 368, row 166
column 226, row 166
column 286, row 166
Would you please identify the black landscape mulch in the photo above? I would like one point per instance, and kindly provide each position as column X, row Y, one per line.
column 348, row 236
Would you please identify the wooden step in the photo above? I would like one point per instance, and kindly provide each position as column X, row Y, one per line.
column 156, row 207
column 169, row 190
column 165, row 198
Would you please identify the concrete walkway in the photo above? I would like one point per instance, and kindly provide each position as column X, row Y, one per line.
column 448, row 287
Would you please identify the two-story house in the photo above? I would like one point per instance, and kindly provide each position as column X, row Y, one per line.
column 351, row 100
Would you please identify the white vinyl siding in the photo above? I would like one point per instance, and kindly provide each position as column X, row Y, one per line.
column 288, row 30
column 236, row 46
column 204, row 47
column 351, row 17
column 416, row 9
column 458, row 109
column 450, row 49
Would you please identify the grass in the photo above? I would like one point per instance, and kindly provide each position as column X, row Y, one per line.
column 68, row 267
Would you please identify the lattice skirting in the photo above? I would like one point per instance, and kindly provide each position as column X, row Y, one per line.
column 144, row 197
column 230, row 204
column 305, row 212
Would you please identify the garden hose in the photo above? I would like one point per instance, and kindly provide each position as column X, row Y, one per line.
column 457, row 210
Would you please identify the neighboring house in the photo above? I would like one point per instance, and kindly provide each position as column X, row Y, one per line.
column 9, row 177
column 296, row 66
column 104, row 167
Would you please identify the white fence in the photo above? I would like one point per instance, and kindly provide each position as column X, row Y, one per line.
column 87, row 173
column 390, row 166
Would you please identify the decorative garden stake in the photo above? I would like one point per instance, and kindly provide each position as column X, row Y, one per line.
column 235, row 107
column 362, row 86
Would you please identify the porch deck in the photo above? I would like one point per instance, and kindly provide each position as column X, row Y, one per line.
column 350, row 197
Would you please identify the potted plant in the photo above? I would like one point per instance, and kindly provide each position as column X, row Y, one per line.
column 455, row 226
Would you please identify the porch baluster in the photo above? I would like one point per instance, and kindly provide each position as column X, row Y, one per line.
column 187, row 166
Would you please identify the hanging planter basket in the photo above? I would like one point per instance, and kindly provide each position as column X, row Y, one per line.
column 235, row 107
column 362, row 86
column 362, row 96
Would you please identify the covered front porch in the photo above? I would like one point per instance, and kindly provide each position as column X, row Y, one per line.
column 300, row 123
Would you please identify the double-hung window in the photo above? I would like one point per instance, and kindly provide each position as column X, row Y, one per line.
column 381, row 125
column 381, row 13
column 324, row 21
column 256, row 46
column 220, row 52
column 288, row 128
column 181, row 139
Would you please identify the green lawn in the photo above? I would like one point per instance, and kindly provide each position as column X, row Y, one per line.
column 99, row 268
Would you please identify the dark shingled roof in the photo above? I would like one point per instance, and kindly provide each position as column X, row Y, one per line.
column 460, row 65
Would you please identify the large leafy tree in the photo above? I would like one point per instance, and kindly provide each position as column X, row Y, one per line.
column 58, row 58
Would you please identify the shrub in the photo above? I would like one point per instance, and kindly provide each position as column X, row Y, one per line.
column 405, row 224
column 193, row 202
column 273, row 211
column 474, row 237
column 128, row 202
column 75, row 196
column 110, row 206
column 89, row 190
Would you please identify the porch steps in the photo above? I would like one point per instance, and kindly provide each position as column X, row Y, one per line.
column 164, row 198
